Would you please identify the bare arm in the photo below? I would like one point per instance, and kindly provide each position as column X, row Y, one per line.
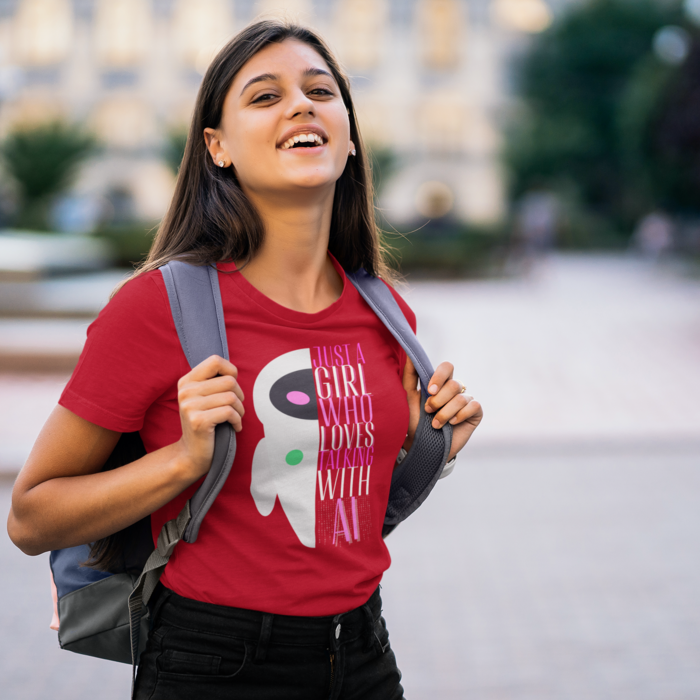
column 62, row 499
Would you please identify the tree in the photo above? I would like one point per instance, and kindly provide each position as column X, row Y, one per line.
column 671, row 143
column 42, row 161
column 573, row 83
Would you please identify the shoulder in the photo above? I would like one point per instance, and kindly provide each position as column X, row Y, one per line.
column 139, row 304
column 142, row 292
column 131, row 357
column 136, row 320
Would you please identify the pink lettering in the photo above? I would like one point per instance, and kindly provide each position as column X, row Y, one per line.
column 355, row 520
column 340, row 511
column 332, row 412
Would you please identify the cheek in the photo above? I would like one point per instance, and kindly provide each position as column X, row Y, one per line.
column 250, row 151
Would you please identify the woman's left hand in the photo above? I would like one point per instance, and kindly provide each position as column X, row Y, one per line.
column 447, row 402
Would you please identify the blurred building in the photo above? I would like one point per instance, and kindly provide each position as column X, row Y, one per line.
column 430, row 79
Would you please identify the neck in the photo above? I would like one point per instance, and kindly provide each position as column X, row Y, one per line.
column 292, row 266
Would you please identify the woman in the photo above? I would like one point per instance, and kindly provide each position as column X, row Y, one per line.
column 279, row 595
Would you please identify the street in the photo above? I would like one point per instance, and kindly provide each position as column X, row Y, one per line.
column 560, row 560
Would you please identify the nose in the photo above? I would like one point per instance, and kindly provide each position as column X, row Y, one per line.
column 300, row 105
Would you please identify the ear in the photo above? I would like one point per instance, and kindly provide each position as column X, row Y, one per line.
column 351, row 146
column 215, row 146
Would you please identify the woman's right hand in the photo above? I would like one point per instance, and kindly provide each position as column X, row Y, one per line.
column 208, row 395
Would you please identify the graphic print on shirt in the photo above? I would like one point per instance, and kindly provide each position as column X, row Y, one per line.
column 346, row 454
column 317, row 417
column 284, row 463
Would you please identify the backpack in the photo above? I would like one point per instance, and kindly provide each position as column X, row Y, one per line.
column 104, row 613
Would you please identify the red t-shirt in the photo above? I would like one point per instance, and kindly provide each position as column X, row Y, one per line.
column 296, row 529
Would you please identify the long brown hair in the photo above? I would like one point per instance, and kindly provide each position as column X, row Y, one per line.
column 210, row 218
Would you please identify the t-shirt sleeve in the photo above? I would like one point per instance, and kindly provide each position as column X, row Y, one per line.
column 131, row 357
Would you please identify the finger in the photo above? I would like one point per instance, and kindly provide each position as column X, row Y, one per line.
column 215, row 385
column 441, row 375
column 449, row 410
column 211, row 367
column 224, row 414
column 448, row 391
column 206, row 403
column 472, row 409
column 410, row 376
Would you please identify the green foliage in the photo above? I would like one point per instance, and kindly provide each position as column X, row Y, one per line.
column 383, row 163
column 671, row 143
column 130, row 243
column 590, row 86
column 42, row 160
column 174, row 150
column 454, row 250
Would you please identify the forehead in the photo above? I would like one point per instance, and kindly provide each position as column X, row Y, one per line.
column 285, row 59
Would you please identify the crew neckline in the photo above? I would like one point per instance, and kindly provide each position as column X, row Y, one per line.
column 278, row 310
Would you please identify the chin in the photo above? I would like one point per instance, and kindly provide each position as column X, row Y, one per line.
column 312, row 180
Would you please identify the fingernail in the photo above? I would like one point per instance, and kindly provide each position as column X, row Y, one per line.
column 436, row 424
column 428, row 408
column 433, row 388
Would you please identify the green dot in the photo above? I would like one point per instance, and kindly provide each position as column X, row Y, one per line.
column 294, row 457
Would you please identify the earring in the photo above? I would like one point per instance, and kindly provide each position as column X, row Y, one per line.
column 353, row 152
column 221, row 163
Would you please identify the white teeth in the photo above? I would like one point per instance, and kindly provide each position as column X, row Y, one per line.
column 303, row 138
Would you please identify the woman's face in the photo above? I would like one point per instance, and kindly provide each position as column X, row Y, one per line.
column 284, row 125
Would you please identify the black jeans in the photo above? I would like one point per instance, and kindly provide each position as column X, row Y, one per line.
column 203, row 651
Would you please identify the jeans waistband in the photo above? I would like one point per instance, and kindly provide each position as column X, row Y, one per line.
column 267, row 628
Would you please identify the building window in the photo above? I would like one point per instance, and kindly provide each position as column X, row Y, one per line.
column 113, row 79
column 522, row 15
column 122, row 32
column 200, row 29
column 288, row 9
column 440, row 25
column 360, row 29
column 123, row 122
column 43, row 32
column 442, row 123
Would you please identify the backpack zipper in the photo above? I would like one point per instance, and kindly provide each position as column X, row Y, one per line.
column 330, row 687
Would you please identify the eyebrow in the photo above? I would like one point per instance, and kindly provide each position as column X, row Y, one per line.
column 309, row 72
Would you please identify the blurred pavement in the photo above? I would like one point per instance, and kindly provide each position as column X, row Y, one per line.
column 559, row 561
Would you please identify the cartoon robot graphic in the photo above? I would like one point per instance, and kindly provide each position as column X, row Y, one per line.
column 285, row 460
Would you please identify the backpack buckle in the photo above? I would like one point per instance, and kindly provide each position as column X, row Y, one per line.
column 168, row 539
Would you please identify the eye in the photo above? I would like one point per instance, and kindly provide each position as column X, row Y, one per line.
column 265, row 98
column 294, row 394
column 321, row 92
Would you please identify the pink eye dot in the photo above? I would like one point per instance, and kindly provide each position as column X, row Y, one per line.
column 298, row 397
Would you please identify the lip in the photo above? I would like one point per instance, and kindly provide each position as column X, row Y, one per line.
column 303, row 129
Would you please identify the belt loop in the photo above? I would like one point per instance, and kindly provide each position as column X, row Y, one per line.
column 265, row 632
column 369, row 626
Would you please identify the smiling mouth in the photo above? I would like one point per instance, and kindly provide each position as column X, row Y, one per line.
column 303, row 141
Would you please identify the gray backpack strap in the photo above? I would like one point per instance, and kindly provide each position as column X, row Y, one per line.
column 195, row 301
column 170, row 535
column 416, row 474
